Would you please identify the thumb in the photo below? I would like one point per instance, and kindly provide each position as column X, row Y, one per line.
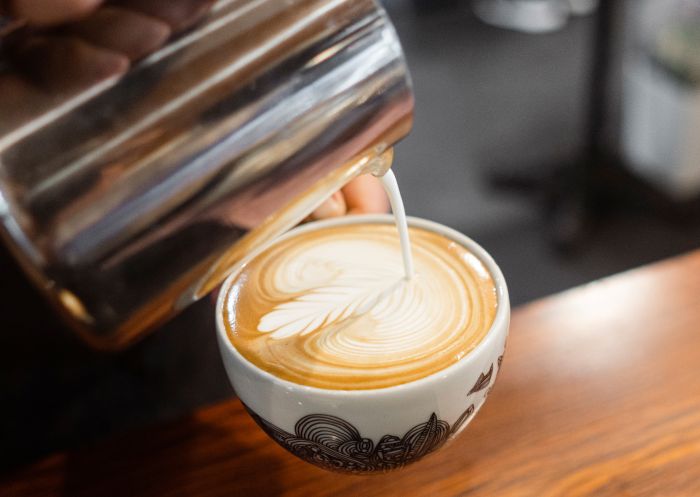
column 333, row 207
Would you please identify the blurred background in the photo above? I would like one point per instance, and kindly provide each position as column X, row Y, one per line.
column 502, row 115
column 564, row 136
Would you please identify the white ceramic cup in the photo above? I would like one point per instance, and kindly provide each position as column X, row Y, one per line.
column 376, row 430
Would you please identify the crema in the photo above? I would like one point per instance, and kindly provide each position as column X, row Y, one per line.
column 332, row 308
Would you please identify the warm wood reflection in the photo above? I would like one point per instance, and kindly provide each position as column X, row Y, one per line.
column 599, row 396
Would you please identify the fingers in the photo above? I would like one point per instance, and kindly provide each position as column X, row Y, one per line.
column 79, row 54
column 98, row 43
column 133, row 34
column 19, row 101
column 333, row 207
column 48, row 12
column 178, row 14
column 63, row 63
column 365, row 195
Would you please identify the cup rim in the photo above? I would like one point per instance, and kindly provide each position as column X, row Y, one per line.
column 500, row 321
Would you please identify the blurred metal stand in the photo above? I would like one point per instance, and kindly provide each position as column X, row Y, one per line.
column 579, row 194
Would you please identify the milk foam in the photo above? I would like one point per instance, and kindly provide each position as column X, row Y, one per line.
column 391, row 187
column 333, row 309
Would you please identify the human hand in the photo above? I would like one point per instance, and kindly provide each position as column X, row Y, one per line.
column 70, row 44
column 178, row 14
column 363, row 195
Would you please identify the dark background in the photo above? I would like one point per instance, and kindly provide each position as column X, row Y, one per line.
column 486, row 99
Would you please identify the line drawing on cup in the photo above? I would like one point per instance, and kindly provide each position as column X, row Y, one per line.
column 333, row 443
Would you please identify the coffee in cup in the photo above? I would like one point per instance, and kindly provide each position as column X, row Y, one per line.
column 333, row 309
column 345, row 362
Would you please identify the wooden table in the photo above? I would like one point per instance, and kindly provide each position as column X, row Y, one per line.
column 599, row 396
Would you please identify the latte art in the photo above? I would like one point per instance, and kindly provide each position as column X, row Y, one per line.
column 332, row 309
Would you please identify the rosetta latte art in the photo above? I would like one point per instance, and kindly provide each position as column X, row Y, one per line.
column 331, row 308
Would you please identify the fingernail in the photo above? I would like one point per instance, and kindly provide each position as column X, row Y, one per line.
column 333, row 207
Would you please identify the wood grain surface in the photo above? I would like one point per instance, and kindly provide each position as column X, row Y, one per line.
column 599, row 396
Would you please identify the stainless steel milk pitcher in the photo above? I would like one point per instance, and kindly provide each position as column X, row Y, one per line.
column 127, row 200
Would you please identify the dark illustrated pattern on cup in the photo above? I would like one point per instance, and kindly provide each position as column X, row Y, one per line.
column 332, row 443
column 482, row 382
